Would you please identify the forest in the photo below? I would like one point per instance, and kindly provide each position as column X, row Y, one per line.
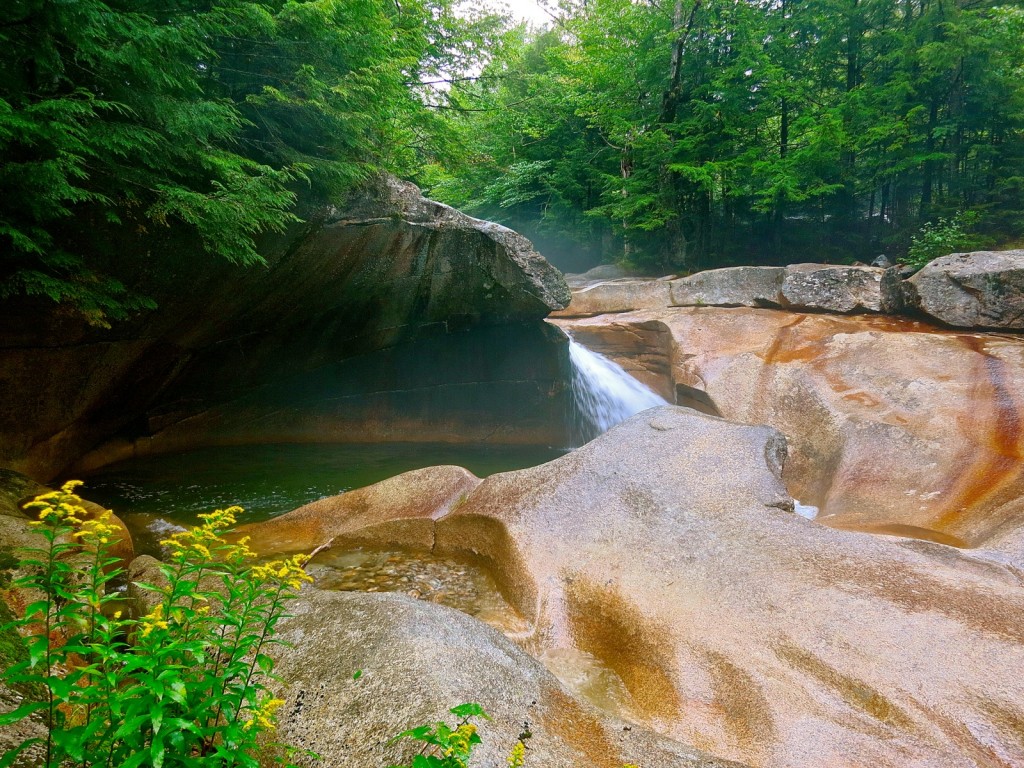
column 671, row 135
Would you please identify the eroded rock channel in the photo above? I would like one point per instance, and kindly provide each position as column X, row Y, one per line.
column 651, row 597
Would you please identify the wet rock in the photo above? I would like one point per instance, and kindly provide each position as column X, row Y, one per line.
column 668, row 549
column 893, row 426
column 399, row 510
column 417, row 661
column 984, row 289
column 730, row 287
column 827, row 288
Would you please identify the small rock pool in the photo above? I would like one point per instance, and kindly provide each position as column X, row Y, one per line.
column 269, row 480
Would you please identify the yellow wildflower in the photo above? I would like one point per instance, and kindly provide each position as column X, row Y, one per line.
column 263, row 715
column 459, row 739
column 242, row 549
column 517, row 757
column 153, row 620
column 98, row 529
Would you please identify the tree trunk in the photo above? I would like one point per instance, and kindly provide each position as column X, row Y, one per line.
column 673, row 94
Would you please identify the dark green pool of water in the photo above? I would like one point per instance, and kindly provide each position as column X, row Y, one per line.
column 269, row 480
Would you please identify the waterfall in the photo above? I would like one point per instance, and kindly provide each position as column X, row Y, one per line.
column 603, row 394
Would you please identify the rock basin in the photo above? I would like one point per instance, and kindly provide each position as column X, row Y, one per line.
column 894, row 426
column 668, row 550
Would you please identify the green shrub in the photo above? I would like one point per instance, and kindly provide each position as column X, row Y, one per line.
column 180, row 686
column 942, row 237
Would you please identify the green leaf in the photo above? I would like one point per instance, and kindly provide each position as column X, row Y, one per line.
column 25, row 710
column 469, row 709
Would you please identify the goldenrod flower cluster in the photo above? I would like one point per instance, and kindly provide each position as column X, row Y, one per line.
column 289, row 572
column 96, row 531
column 152, row 620
column 459, row 740
column 263, row 715
column 517, row 757
column 62, row 506
column 204, row 539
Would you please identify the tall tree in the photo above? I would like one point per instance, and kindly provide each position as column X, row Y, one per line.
column 203, row 114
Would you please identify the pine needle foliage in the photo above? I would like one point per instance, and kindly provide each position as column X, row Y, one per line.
column 204, row 114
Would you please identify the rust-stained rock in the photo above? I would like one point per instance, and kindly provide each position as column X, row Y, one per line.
column 417, row 661
column 893, row 426
column 984, row 289
column 667, row 549
column 399, row 510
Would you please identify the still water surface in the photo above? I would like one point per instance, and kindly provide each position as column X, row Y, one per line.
column 269, row 480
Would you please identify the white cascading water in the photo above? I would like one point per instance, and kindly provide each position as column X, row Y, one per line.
column 603, row 394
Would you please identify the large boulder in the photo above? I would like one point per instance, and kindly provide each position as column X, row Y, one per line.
column 668, row 549
column 828, row 288
column 617, row 296
column 730, row 287
column 417, row 661
column 293, row 350
column 984, row 289
column 893, row 426
column 430, row 262
column 816, row 287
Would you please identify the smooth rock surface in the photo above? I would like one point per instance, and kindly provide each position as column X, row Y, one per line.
column 399, row 510
column 617, row 296
column 596, row 274
column 828, row 288
column 893, row 426
column 667, row 549
column 984, row 289
column 417, row 661
column 730, row 287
